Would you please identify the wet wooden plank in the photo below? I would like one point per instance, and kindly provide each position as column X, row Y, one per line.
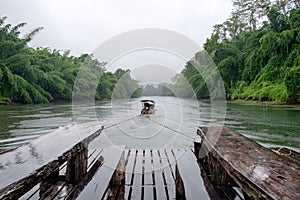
column 171, row 191
column 148, row 192
column 93, row 157
column 260, row 172
column 32, row 194
column 171, row 159
column 148, row 180
column 138, row 175
column 160, row 187
column 96, row 188
column 160, row 192
column 130, row 167
column 190, row 174
column 169, row 176
column 129, row 175
column 138, row 169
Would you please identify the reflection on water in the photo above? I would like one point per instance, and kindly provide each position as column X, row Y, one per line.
column 269, row 125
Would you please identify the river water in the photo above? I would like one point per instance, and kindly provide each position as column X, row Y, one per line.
column 174, row 123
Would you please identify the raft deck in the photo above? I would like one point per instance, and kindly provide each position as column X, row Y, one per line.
column 73, row 171
column 118, row 173
column 259, row 171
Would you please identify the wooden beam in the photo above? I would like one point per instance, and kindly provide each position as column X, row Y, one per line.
column 18, row 188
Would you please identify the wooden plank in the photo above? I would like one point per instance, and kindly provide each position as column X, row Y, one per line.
column 160, row 187
column 158, row 172
column 148, row 192
column 171, row 191
column 96, row 188
column 130, row 167
column 32, row 194
column 138, row 169
column 171, row 160
column 260, row 172
column 190, row 174
column 127, row 191
column 169, row 177
column 138, row 176
column 160, row 192
column 93, row 157
column 148, row 180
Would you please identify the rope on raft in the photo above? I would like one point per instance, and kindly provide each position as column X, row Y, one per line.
column 163, row 125
column 282, row 154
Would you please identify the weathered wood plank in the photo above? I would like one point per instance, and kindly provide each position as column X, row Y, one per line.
column 171, row 191
column 129, row 175
column 171, row 160
column 148, row 192
column 190, row 174
column 130, row 167
column 158, row 170
column 77, row 166
column 169, row 176
column 36, row 156
column 257, row 170
column 138, row 175
column 160, row 192
column 96, row 188
column 136, row 192
column 148, row 180
column 160, row 187
column 93, row 157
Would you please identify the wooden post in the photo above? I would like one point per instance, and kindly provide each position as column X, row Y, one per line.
column 197, row 146
column 47, row 185
column 180, row 193
column 77, row 166
column 219, row 175
column 117, row 182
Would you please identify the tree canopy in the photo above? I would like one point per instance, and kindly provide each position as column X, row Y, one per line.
column 42, row 75
column 256, row 51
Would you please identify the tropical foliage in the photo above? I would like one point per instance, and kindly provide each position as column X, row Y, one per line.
column 257, row 52
column 42, row 75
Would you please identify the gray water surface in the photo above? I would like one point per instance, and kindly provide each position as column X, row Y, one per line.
column 268, row 125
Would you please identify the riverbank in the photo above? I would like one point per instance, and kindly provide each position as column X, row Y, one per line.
column 269, row 103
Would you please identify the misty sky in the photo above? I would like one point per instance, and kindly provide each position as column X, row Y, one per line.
column 82, row 25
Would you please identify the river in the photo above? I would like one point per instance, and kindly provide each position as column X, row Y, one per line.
column 268, row 125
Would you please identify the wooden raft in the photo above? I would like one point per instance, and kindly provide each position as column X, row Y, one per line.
column 258, row 171
column 115, row 173
column 151, row 174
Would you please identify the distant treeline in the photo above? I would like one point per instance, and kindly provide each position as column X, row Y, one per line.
column 257, row 52
column 158, row 90
column 42, row 75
